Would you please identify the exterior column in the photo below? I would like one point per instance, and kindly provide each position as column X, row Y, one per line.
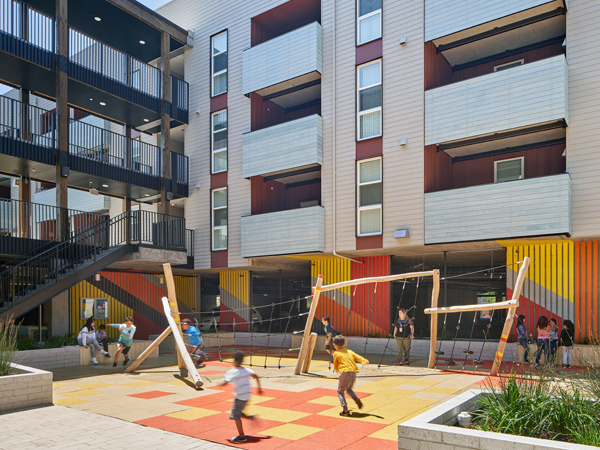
column 165, row 124
column 62, row 117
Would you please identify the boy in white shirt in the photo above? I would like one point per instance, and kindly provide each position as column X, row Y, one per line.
column 240, row 377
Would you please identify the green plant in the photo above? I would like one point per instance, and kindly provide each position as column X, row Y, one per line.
column 60, row 341
column 27, row 343
column 8, row 346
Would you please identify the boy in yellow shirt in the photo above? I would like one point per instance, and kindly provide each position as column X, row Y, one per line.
column 344, row 363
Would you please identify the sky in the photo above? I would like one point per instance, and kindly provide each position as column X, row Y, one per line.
column 153, row 4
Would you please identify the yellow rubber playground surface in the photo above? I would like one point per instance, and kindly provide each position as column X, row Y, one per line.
column 294, row 412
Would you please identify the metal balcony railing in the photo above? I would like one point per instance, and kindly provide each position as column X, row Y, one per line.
column 180, row 99
column 179, row 174
column 158, row 230
column 27, row 32
column 27, row 123
column 104, row 146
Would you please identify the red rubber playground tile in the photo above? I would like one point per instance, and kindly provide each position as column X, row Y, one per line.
column 342, row 435
column 210, row 372
column 316, row 421
column 223, row 435
column 369, row 442
column 151, row 394
column 162, row 422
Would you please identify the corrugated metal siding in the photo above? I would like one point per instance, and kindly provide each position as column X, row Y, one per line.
column 587, row 292
column 529, row 207
column 527, row 95
column 550, row 286
column 235, row 296
column 583, row 133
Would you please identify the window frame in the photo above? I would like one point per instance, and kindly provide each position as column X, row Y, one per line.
column 360, row 113
column 212, row 141
column 521, row 158
column 212, row 63
column 379, row 206
column 360, row 18
column 212, row 219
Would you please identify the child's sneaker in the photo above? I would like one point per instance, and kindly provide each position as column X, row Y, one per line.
column 94, row 361
column 126, row 361
column 358, row 403
column 114, row 364
column 239, row 439
column 345, row 413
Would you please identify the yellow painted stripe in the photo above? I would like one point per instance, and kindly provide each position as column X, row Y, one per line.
column 499, row 355
column 504, row 337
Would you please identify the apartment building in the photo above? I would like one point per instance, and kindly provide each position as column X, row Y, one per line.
column 374, row 137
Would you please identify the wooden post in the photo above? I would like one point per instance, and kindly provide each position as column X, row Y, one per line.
column 149, row 350
column 434, row 318
column 62, row 117
column 311, row 348
column 309, row 321
column 165, row 121
column 174, row 308
column 509, row 318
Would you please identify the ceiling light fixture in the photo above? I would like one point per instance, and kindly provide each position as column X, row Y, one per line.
column 105, row 185
column 102, row 104
column 142, row 42
column 98, row 19
column 146, row 120
column 146, row 195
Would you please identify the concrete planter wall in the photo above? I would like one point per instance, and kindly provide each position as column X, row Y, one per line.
column 434, row 430
column 28, row 387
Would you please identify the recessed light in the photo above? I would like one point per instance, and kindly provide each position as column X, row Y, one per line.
column 142, row 42
column 146, row 195
column 98, row 19
column 146, row 120
column 102, row 104
column 91, row 99
column 105, row 185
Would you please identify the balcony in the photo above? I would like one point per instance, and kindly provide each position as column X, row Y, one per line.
column 294, row 231
column 524, row 208
column 455, row 20
column 520, row 97
column 102, row 79
column 290, row 145
column 98, row 158
column 290, row 61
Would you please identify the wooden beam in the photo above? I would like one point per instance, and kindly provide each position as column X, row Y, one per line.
column 510, row 317
column 306, row 336
column 478, row 307
column 311, row 348
column 174, row 308
column 434, row 318
column 149, row 350
column 331, row 287
column 153, row 19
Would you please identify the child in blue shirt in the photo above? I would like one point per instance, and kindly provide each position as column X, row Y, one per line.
column 330, row 332
column 127, row 330
column 195, row 341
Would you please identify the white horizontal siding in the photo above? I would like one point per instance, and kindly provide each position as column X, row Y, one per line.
column 532, row 207
column 299, row 230
column 444, row 17
column 522, row 96
column 286, row 146
column 283, row 58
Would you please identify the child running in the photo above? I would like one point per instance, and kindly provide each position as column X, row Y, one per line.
column 344, row 363
column 566, row 342
column 195, row 341
column 240, row 377
column 127, row 330
column 330, row 332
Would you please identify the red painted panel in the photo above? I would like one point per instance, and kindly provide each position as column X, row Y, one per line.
column 218, row 102
column 367, row 242
column 138, row 286
column 265, row 113
column 369, row 148
column 438, row 71
column 218, row 180
column 266, row 196
column 228, row 317
column 286, row 17
column 144, row 326
column 372, row 301
column 369, row 51
column 438, row 170
column 219, row 259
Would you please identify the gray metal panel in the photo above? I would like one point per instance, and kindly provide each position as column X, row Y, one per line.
column 292, row 144
column 532, row 207
column 299, row 230
column 444, row 17
column 283, row 58
column 526, row 95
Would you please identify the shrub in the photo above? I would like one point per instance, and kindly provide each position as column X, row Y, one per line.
column 8, row 346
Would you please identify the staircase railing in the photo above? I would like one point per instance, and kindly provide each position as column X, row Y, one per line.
column 46, row 267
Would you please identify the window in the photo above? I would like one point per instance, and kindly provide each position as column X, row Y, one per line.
column 508, row 170
column 219, row 141
column 509, row 65
column 219, row 63
column 368, row 26
column 219, row 219
column 370, row 197
column 369, row 100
